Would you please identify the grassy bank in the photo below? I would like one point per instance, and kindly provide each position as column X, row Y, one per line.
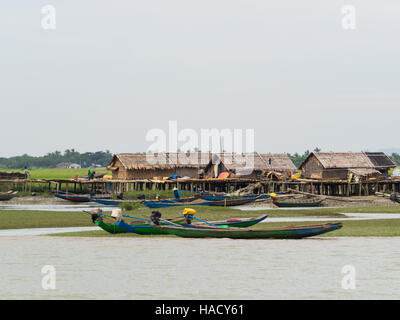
column 361, row 228
column 17, row 219
column 56, row 173
column 20, row 219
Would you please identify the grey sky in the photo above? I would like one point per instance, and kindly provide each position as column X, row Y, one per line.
column 112, row 70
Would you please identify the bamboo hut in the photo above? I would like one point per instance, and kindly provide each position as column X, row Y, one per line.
column 342, row 165
column 250, row 165
column 137, row 166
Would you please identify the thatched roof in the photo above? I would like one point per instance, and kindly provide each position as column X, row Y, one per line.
column 140, row 161
column 364, row 172
column 262, row 162
column 345, row 160
column 380, row 160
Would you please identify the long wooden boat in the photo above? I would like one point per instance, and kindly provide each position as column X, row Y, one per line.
column 148, row 203
column 247, row 196
column 5, row 196
column 297, row 232
column 77, row 197
column 303, row 204
column 234, row 202
column 220, row 203
column 148, row 229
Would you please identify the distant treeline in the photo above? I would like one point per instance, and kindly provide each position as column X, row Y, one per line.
column 51, row 160
column 297, row 159
column 103, row 158
column 395, row 158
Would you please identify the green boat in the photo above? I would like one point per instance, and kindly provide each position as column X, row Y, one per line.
column 148, row 229
column 303, row 204
column 110, row 224
column 297, row 232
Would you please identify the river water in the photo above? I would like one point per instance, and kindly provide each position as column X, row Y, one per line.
column 176, row 268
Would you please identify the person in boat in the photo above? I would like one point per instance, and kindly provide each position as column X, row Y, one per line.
column 155, row 217
column 177, row 193
column 120, row 196
column 188, row 213
column 158, row 197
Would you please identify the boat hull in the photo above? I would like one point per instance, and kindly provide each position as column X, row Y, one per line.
column 148, row 229
column 218, row 203
column 110, row 227
column 298, row 204
column 7, row 196
column 76, row 198
column 271, row 233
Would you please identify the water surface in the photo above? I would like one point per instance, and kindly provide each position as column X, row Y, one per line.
column 176, row 268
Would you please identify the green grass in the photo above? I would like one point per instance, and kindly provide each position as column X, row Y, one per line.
column 19, row 219
column 16, row 219
column 360, row 228
column 56, row 173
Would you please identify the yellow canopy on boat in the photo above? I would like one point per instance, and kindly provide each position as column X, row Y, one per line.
column 189, row 211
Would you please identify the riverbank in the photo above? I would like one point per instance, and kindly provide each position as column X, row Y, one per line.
column 24, row 219
column 17, row 219
column 363, row 228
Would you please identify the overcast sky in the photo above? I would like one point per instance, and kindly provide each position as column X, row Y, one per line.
column 113, row 70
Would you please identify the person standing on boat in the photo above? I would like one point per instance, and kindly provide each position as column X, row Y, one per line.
column 177, row 193
column 26, row 172
column 91, row 174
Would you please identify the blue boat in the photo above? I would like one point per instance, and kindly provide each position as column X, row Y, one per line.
column 220, row 203
column 108, row 202
column 77, row 198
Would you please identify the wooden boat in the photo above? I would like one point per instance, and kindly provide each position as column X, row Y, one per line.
column 148, row 229
column 5, row 196
column 78, row 198
column 303, row 204
column 297, row 232
column 247, row 196
column 220, row 203
column 148, row 203
column 234, row 202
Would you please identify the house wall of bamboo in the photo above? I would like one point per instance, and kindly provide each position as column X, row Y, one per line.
column 312, row 169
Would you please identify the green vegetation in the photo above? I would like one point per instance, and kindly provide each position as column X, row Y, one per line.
column 360, row 228
column 16, row 219
column 51, row 159
column 298, row 159
column 395, row 158
column 57, row 173
column 20, row 219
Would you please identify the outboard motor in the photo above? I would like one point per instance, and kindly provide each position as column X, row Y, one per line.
column 155, row 217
